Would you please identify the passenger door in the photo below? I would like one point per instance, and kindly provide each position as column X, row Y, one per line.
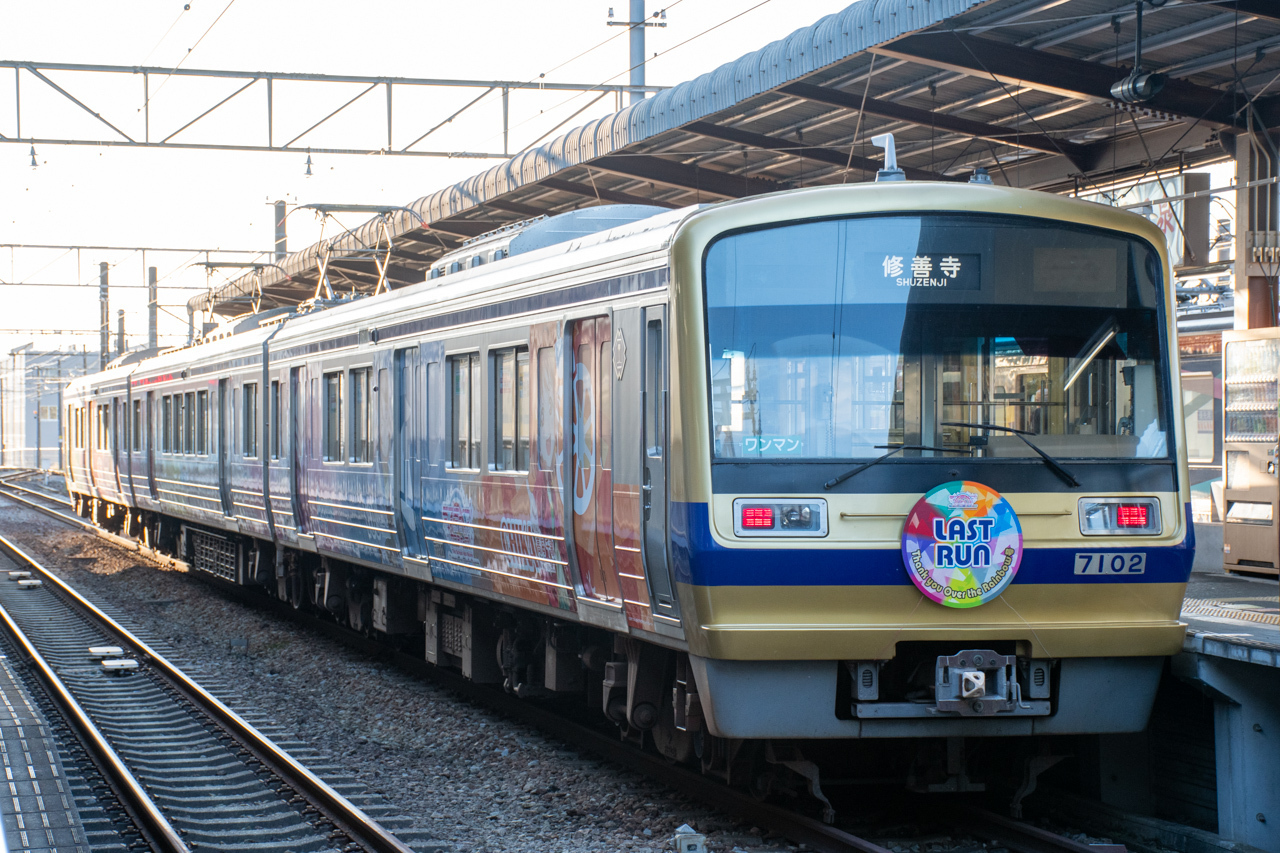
column 151, row 445
column 225, row 420
column 410, row 424
column 653, row 473
column 591, row 469
column 296, row 449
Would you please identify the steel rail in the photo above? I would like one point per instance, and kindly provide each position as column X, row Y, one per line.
column 146, row 815
column 800, row 828
column 1014, row 834
column 344, row 814
column 38, row 493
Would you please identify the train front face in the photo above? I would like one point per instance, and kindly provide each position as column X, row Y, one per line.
column 927, row 477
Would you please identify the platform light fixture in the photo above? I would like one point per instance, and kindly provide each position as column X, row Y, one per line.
column 1140, row 85
column 308, row 173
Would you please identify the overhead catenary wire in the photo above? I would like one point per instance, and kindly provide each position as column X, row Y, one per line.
column 168, row 77
column 628, row 70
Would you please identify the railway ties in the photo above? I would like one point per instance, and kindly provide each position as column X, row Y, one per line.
column 204, row 779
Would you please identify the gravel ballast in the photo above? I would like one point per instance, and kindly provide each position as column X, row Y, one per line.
column 460, row 774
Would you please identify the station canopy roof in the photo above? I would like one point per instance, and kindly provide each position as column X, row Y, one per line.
column 1022, row 88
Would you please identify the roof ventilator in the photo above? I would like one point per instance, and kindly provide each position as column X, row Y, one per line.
column 890, row 172
column 980, row 176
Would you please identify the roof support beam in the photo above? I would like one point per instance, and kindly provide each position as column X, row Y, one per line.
column 528, row 211
column 799, row 149
column 1130, row 155
column 1258, row 8
column 466, row 230
column 1076, row 153
column 588, row 191
column 1051, row 72
column 685, row 176
column 395, row 272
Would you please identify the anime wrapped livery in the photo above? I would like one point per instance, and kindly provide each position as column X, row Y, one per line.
column 857, row 462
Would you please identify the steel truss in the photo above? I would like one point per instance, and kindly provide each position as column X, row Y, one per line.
column 114, row 136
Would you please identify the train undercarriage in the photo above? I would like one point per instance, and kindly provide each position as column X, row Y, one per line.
column 648, row 692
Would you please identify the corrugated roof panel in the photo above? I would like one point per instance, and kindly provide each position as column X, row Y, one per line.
column 833, row 38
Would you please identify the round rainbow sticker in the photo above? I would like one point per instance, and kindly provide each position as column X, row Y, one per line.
column 962, row 544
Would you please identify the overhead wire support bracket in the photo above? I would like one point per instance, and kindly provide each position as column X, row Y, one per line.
column 379, row 252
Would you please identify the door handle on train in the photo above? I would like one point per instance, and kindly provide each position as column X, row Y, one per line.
column 647, row 489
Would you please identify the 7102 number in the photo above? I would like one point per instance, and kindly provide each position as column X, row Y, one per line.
column 1111, row 562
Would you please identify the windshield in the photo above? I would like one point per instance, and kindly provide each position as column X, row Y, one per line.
column 833, row 339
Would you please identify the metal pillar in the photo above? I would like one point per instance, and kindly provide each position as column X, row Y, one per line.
column 1257, row 233
column 39, row 392
column 637, row 49
column 1246, row 729
column 153, row 310
column 281, row 251
column 104, row 331
column 120, row 332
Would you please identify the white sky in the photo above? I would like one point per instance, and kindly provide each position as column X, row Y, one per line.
column 147, row 197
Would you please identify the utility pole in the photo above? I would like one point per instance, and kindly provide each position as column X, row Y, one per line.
column 104, row 331
column 120, row 332
column 281, row 239
column 153, row 310
column 638, row 23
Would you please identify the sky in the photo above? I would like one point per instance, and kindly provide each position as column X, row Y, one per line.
column 113, row 196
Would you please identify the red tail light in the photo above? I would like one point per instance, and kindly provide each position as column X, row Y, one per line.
column 757, row 517
column 1132, row 515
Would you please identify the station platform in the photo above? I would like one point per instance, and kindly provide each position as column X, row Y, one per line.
column 1232, row 654
column 36, row 803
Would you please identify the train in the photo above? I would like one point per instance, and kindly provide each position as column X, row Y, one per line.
column 836, row 464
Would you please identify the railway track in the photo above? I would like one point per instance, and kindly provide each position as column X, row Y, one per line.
column 190, row 772
column 966, row 823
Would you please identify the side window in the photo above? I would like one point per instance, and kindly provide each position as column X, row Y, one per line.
column 202, row 422
column 605, row 447
column 464, row 411
column 274, row 414
column 179, row 414
column 511, row 409
column 137, row 425
column 333, row 417
column 166, row 424
column 654, row 385
column 548, row 416
column 189, row 422
column 361, row 415
column 250, row 424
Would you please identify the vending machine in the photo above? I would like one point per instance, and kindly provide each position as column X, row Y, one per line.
column 1251, row 439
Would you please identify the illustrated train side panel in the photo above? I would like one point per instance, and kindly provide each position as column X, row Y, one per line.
column 678, row 465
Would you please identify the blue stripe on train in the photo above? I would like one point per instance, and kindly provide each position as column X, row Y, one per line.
column 699, row 560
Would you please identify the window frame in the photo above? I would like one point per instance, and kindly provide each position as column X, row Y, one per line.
column 473, row 427
column 202, row 423
column 518, row 394
column 136, row 424
column 332, row 444
column 166, row 423
column 249, row 420
column 274, row 415
column 360, row 448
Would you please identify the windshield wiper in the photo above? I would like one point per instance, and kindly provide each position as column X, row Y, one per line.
column 1100, row 338
column 1022, row 434
column 897, row 448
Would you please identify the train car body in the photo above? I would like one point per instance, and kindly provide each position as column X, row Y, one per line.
column 708, row 465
